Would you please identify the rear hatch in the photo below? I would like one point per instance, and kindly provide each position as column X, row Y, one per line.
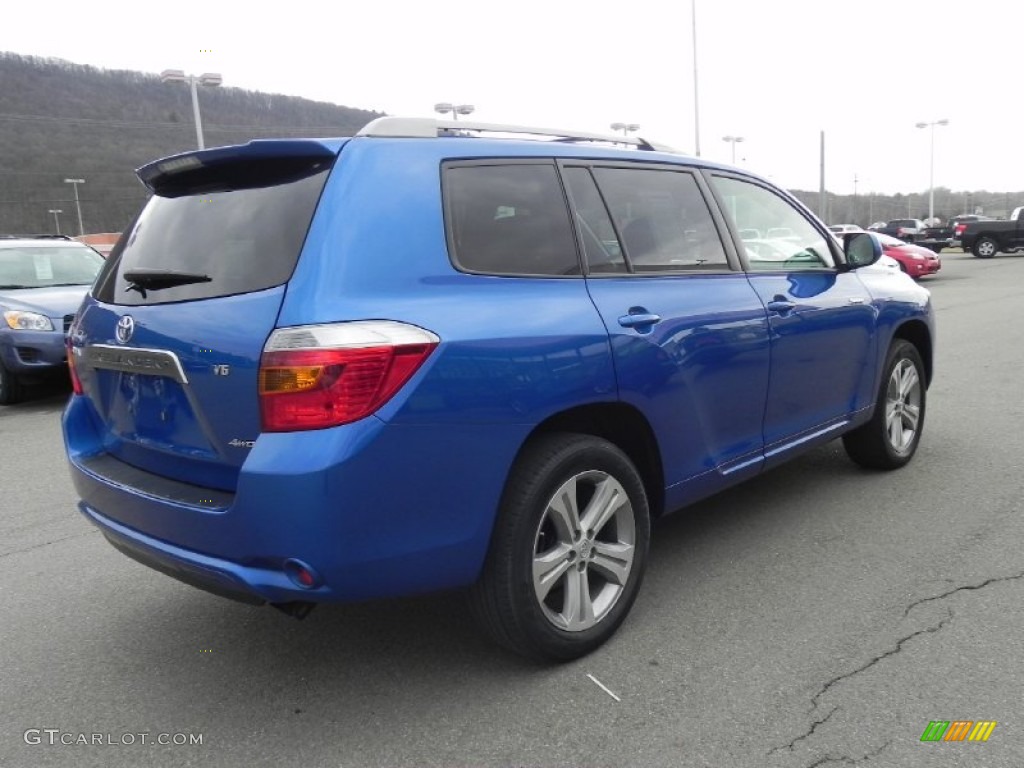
column 167, row 347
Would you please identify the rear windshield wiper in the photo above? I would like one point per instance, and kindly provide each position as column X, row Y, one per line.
column 11, row 287
column 143, row 280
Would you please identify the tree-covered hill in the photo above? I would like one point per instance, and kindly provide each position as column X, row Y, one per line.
column 60, row 120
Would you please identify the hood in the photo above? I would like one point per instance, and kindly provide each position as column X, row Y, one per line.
column 52, row 302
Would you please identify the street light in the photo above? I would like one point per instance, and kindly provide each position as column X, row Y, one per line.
column 445, row 107
column 734, row 140
column 207, row 78
column 626, row 128
column 56, row 221
column 78, row 206
column 696, row 100
column 931, row 165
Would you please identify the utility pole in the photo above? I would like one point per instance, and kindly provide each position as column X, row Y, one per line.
column 822, row 201
column 78, row 205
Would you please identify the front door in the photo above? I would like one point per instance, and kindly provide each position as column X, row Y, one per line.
column 822, row 319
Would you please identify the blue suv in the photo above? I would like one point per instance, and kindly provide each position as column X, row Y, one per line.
column 440, row 355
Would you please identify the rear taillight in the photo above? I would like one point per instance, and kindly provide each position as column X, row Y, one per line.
column 959, row 229
column 76, row 383
column 318, row 376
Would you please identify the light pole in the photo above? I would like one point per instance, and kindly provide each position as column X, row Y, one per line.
column 696, row 101
column 931, row 164
column 734, row 140
column 445, row 107
column 626, row 128
column 207, row 78
column 56, row 221
column 78, row 206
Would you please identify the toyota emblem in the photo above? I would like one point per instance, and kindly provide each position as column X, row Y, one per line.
column 125, row 329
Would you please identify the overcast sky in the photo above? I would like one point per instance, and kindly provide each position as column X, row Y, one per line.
column 776, row 73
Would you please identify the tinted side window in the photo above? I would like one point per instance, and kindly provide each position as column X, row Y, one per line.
column 597, row 235
column 243, row 239
column 775, row 234
column 663, row 219
column 510, row 220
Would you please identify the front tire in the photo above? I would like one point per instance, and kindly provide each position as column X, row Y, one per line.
column 11, row 389
column 985, row 248
column 568, row 551
column 890, row 439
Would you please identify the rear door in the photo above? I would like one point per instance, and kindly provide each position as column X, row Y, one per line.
column 689, row 335
column 168, row 345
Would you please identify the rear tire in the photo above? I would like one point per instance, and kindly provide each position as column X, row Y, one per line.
column 569, row 549
column 985, row 248
column 11, row 389
column 890, row 439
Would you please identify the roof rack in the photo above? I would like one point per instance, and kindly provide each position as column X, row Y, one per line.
column 428, row 127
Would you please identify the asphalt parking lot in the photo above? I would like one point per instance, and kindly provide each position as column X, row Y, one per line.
column 818, row 615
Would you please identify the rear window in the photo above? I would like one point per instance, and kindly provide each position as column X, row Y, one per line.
column 510, row 220
column 243, row 237
column 38, row 267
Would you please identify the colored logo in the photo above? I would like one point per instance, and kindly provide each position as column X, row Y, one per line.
column 958, row 730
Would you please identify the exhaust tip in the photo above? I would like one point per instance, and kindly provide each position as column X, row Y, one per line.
column 297, row 609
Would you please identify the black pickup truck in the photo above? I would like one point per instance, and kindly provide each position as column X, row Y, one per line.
column 908, row 230
column 987, row 238
column 937, row 238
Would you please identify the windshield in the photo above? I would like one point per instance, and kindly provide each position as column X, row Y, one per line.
column 39, row 267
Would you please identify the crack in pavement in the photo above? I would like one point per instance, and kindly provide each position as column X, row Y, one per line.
column 892, row 652
column 850, row 760
column 807, row 735
column 899, row 647
column 47, row 543
column 966, row 588
column 839, row 678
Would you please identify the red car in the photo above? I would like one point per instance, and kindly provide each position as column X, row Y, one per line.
column 915, row 260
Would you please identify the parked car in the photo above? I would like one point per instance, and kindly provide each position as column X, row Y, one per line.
column 42, row 282
column 435, row 355
column 938, row 237
column 841, row 229
column 987, row 238
column 908, row 230
column 916, row 260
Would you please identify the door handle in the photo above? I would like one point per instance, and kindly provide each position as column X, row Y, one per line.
column 781, row 306
column 639, row 320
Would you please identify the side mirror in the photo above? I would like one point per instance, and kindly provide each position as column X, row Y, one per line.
column 861, row 249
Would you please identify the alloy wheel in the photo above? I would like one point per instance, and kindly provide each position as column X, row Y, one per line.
column 584, row 549
column 903, row 406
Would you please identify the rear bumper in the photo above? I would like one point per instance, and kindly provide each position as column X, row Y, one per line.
column 375, row 510
column 935, row 244
column 247, row 585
